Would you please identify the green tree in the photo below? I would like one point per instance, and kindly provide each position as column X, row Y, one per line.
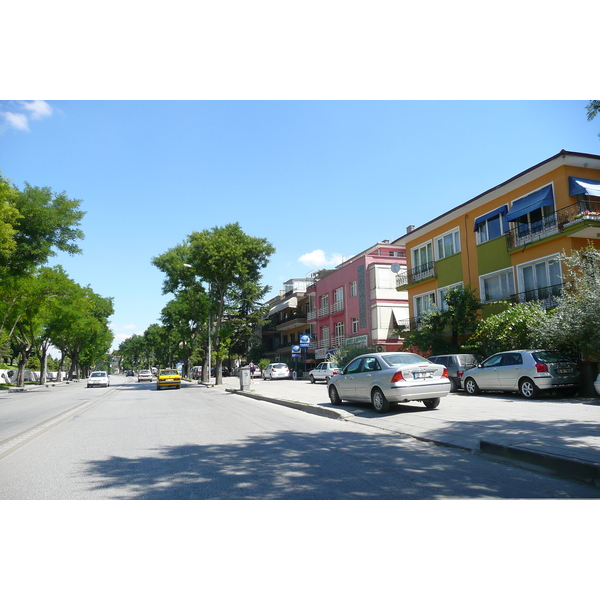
column 9, row 219
column 517, row 327
column 462, row 313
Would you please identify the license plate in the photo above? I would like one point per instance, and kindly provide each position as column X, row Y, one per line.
column 564, row 371
column 421, row 375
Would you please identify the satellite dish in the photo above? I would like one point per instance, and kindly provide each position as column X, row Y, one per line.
column 396, row 267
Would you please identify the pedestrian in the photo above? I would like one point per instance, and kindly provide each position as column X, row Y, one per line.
column 252, row 369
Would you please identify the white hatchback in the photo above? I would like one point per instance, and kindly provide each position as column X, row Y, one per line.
column 276, row 371
column 98, row 379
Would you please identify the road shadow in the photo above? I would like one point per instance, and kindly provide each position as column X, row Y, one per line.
column 292, row 465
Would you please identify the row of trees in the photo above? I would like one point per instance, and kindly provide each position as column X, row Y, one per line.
column 40, row 306
column 572, row 327
column 214, row 279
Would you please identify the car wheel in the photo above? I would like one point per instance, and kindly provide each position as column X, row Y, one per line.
column 453, row 385
column 431, row 402
column 528, row 389
column 471, row 386
column 334, row 397
column 380, row 402
column 312, row 379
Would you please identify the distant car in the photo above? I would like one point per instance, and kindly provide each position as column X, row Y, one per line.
column 457, row 365
column 168, row 378
column 386, row 378
column 145, row 375
column 196, row 372
column 224, row 371
column 597, row 385
column 130, row 373
column 276, row 371
column 528, row 372
column 98, row 379
column 324, row 372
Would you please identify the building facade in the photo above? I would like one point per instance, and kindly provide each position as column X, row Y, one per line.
column 358, row 303
column 507, row 242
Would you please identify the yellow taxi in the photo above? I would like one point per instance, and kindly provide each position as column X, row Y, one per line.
column 168, row 378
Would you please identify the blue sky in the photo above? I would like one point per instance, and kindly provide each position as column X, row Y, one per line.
column 321, row 180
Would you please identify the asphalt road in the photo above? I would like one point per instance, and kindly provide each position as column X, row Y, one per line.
column 131, row 441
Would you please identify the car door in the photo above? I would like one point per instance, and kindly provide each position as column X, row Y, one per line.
column 487, row 375
column 363, row 380
column 346, row 384
column 509, row 370
column 320, row 374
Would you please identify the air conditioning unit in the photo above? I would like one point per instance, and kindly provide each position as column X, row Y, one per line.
column 380, row 349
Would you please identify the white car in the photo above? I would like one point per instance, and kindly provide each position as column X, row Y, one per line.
column 386, row 378
column 145, row 375
column 98, row 379
column 276, row 371
column 324, row 372
column 597, row 385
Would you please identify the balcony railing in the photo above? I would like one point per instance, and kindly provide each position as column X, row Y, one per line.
column 415, row 275
column 337, row 306
column 336, row 341
column 521, row 234
column 547, row 296
column 323, row 312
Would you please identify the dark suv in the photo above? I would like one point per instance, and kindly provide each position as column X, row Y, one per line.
column 457, row 364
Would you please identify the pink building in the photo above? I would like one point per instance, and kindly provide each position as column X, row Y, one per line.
column 358, row 302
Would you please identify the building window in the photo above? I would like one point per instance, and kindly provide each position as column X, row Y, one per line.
column 497, row 286
column 325, row 334
column 422, row 261
column 448, row 244
column 354, row 324
column 492, row 226
column 353, row 289
column 540, row 279
column 339, row 334
column 338, row 300
column 442, row 295
column 324, row 310
column 396, row 253
column 424, row 304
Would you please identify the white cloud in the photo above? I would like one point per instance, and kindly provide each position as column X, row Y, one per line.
column 16, row 120
column 37, row 108
column 317, row 259
column 28, row 109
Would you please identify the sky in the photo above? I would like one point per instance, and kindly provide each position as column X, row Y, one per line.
column 321, row 180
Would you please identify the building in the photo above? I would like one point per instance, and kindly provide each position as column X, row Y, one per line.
column 286, row 322
column 507, row 242
column 358, row 303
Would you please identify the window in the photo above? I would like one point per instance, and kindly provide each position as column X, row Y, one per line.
column 324, row 310
column 442, row 295
column 354, row 324
column 338, row 300
column 448, row 244
column 396, row 253
column 424, row 304
column 325, row 333
column 492, row 225
column 339, row 330
column 540, row 280
column 536, row 221
column 497, row 286
column 422, row 261
column 353, row 289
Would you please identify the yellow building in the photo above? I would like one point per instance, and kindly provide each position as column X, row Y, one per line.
column 506, row 243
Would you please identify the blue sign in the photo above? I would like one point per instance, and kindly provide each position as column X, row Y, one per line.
column 304, row 341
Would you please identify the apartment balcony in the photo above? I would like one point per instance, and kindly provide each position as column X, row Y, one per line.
column 408, row 278
column 336, row 341
column 546, row 296
column 323, row 312
column 290, row 321
column 311, row 315
column 337, row 306
column 581, row 220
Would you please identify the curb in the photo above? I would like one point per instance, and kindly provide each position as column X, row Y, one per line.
column 311, row 408
column 571, row 468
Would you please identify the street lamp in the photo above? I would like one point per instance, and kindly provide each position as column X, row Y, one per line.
column 209, row 329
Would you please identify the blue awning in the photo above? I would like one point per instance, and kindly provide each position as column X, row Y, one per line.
column 523, row 206
column 480, row 220
column 583, row 186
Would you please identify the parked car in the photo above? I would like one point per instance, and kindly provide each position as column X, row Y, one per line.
column 224, row 371
column 196, row 372
column 528, row 372
column 386, row 378
column 324, row 372
column 145, row 375
column 98, row 379
column 457, row 365
column 168, row 378
column 276, row 371
column 597, row 385
column 130, row 373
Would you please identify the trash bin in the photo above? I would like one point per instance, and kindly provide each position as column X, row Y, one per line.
column 245, row 378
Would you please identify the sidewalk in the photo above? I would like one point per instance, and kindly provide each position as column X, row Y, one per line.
column 561, row 436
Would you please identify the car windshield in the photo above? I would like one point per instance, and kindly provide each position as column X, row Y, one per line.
column 169, row 372
column 403, row 359
column 98, row 375
column 550, row 357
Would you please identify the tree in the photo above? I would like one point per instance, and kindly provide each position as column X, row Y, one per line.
column 516, row 327
column 9, row 219
column 593, row 108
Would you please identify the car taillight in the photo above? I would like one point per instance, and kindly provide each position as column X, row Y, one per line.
column 445, row 374
column 458, row 373
column 398, row 377
column 541, row 367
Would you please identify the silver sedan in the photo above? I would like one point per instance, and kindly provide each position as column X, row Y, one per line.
column 386, row 378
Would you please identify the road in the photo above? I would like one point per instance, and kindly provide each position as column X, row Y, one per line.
column 131, row 441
